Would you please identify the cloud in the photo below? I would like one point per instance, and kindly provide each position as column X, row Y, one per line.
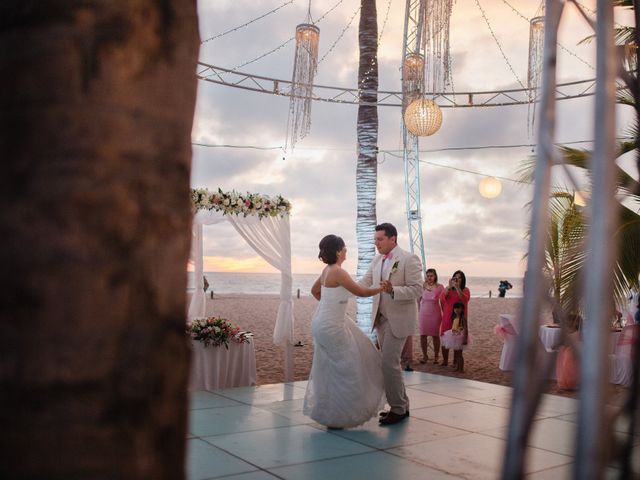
column 460, row 228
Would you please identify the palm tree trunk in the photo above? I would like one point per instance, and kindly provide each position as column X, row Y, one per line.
column 367, row 169
column 96, row 107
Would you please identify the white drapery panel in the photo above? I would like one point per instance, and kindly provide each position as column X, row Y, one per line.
column 270, row 237
column 197, row 305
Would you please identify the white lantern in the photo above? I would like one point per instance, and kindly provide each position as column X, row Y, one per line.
column 423, row 117
column 490, row 187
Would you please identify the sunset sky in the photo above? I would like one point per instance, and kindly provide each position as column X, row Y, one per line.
column 461, row 229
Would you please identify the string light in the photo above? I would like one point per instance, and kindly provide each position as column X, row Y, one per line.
column 484, row 16
column 367, row 74
column 247, row 23
column 344, row 30
column 391, row 152
column 286, row 42
column 573, row 54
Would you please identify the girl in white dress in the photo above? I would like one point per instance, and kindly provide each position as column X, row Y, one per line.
column 345, row 387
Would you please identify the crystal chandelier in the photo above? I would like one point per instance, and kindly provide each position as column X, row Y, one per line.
column 534, row 74
column 304, row 70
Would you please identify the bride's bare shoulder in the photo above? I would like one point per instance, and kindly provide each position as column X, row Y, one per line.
column 332, row 276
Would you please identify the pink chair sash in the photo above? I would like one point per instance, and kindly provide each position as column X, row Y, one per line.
column 503, row 330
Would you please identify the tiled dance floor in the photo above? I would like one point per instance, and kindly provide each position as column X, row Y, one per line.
column 457, row 429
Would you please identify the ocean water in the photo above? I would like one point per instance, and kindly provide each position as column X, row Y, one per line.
column 269, row 284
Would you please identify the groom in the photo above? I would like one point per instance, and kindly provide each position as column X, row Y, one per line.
column 395, row 313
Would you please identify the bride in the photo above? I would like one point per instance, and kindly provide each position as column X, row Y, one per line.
column 345, row 387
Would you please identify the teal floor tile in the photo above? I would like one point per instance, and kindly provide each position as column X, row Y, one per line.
column 263, row 394
column 291, row 409
column 300, row 384
column 206, row 461
column 410, row 431
column 285, row 446
column 223, row 420
column 257, row 475
column 464, row 390
column 416, row 378
column 368, row 466
column 555, row 405
column 421, row 399
column 547, row 434
column 204, row 399
column 475, row 456
column 469, row 416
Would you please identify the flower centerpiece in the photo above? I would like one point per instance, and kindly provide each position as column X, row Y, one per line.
column 234, row 203
column 216, row 331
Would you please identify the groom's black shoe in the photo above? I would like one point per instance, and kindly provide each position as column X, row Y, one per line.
column 385, row 413
column 393, row 418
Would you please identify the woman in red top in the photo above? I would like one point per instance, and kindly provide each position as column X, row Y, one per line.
column 456, row 291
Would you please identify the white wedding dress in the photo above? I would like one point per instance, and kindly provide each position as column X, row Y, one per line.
column 345, row 387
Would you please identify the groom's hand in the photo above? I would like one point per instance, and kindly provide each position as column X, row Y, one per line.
column 386, row 286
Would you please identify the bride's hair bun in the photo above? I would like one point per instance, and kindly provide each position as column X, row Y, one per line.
column 329, row 248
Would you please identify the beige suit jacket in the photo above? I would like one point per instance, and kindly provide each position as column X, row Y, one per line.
column 401, row 310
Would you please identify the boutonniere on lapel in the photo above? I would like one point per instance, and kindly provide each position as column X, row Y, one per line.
column 394, row 267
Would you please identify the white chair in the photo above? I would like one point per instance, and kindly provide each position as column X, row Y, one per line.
column 508, row 330
column 620, row 360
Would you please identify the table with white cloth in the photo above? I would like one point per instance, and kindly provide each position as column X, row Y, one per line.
column 214, row 368
column 551, row 338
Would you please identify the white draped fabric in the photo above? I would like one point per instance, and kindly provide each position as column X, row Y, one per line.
column 270, row 237
column 197, row 305
column 215, row 368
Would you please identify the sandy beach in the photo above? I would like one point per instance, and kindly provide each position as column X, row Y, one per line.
column 257, row 314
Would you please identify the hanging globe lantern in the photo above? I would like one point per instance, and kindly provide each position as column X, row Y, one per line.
column 490, row 187
column 423, row 117
column 413, row 68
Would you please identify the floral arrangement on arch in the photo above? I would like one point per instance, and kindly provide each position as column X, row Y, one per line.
column 216, row 331
column 240, row 204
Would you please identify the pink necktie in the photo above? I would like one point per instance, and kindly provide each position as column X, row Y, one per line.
column 384, row 259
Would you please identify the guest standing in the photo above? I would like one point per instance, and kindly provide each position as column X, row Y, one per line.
column 457, row 337
column 430, row 315
column 456, row 291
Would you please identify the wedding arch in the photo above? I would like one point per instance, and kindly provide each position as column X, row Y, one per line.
column 263, row 222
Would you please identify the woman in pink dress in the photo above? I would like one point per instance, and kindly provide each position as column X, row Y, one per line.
column 430, row 315
column 456, row 291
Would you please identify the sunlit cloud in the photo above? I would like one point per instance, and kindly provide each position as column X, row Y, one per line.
column 461, row 229
column 237, row 264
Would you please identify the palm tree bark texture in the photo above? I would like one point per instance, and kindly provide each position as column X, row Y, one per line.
column 367, row 131
column 96, row 112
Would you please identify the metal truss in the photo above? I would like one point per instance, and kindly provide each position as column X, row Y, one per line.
column 324, row 93
column 411, row 148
